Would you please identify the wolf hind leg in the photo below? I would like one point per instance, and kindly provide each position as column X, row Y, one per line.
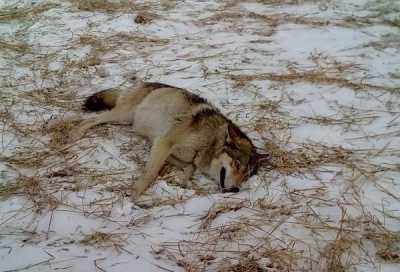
column 117, row 114
column 121, row 112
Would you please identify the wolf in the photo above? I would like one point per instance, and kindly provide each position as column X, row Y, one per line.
column 184, row 129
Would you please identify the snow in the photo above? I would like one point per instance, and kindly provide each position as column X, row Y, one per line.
column 81, row 188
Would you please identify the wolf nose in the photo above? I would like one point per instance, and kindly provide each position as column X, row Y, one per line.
column 232, row 190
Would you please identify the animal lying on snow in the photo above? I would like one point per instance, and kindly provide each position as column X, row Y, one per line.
column 185, row 130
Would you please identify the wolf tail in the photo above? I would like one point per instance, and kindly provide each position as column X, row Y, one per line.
column 104, row 100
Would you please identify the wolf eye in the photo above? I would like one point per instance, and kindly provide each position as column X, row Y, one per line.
column 235, row 163
column 222, row 175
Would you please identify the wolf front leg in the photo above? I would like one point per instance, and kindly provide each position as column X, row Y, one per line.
column 159, row 153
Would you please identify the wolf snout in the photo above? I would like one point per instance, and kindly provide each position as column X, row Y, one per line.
column 231, row 190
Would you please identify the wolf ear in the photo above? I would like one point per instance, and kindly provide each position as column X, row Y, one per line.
column 232, row 133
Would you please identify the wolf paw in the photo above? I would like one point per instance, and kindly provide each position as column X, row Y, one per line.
column 138, row 189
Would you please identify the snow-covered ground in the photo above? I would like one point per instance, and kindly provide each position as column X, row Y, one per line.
column 316, row 83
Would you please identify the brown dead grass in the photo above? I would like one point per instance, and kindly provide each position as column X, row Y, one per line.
column 313, row 77
column 104, row 240
column 274, row 20
column 50, row 97
column 325, row 70
column 335, row 251
column 101, row 46
column 25, row 13
column 386, row 241
column 31, row 188
column 111, row 6
column 59, row 133
column 248, row 264
column 102, row 5
column 16, row 46
column 218, row 209
column 306, row 158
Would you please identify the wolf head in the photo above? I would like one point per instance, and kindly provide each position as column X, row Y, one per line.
column 236, row 161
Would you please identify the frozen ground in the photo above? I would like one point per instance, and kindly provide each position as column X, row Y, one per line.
column 316, row 83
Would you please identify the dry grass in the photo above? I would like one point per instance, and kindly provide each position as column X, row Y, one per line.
column 102, row 5
column 232, row 3
column 101, row 46
column 218, row 209
column 32, row 188
column 257, row 239
column 51, row 97
column 105, row 240
column 390, row 40
column 25, row 13
column 249, row 264
column 324, row 71
column 313, row 77
column 19, row 47
column 59, row 133
column 333, row 254
column 27, row 157
column 386, row 241
column 111, row 6
column 306, row 158
column 274, row 20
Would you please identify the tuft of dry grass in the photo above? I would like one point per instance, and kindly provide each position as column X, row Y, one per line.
column 246, row 264
column 31, row 188
column 218, row 209
column 51, row 97
column 102, row 5
column 112, row 5
column 59, row 133
column 15, row 46
column 306, row 158
column 386, row 241
column 314, row 77
column 9, row 14
column 25, row 157
column 390, row 40
column 104, row 240
column 334, row 252
column 100, row 46
column 12, row 188
column 324, row 71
